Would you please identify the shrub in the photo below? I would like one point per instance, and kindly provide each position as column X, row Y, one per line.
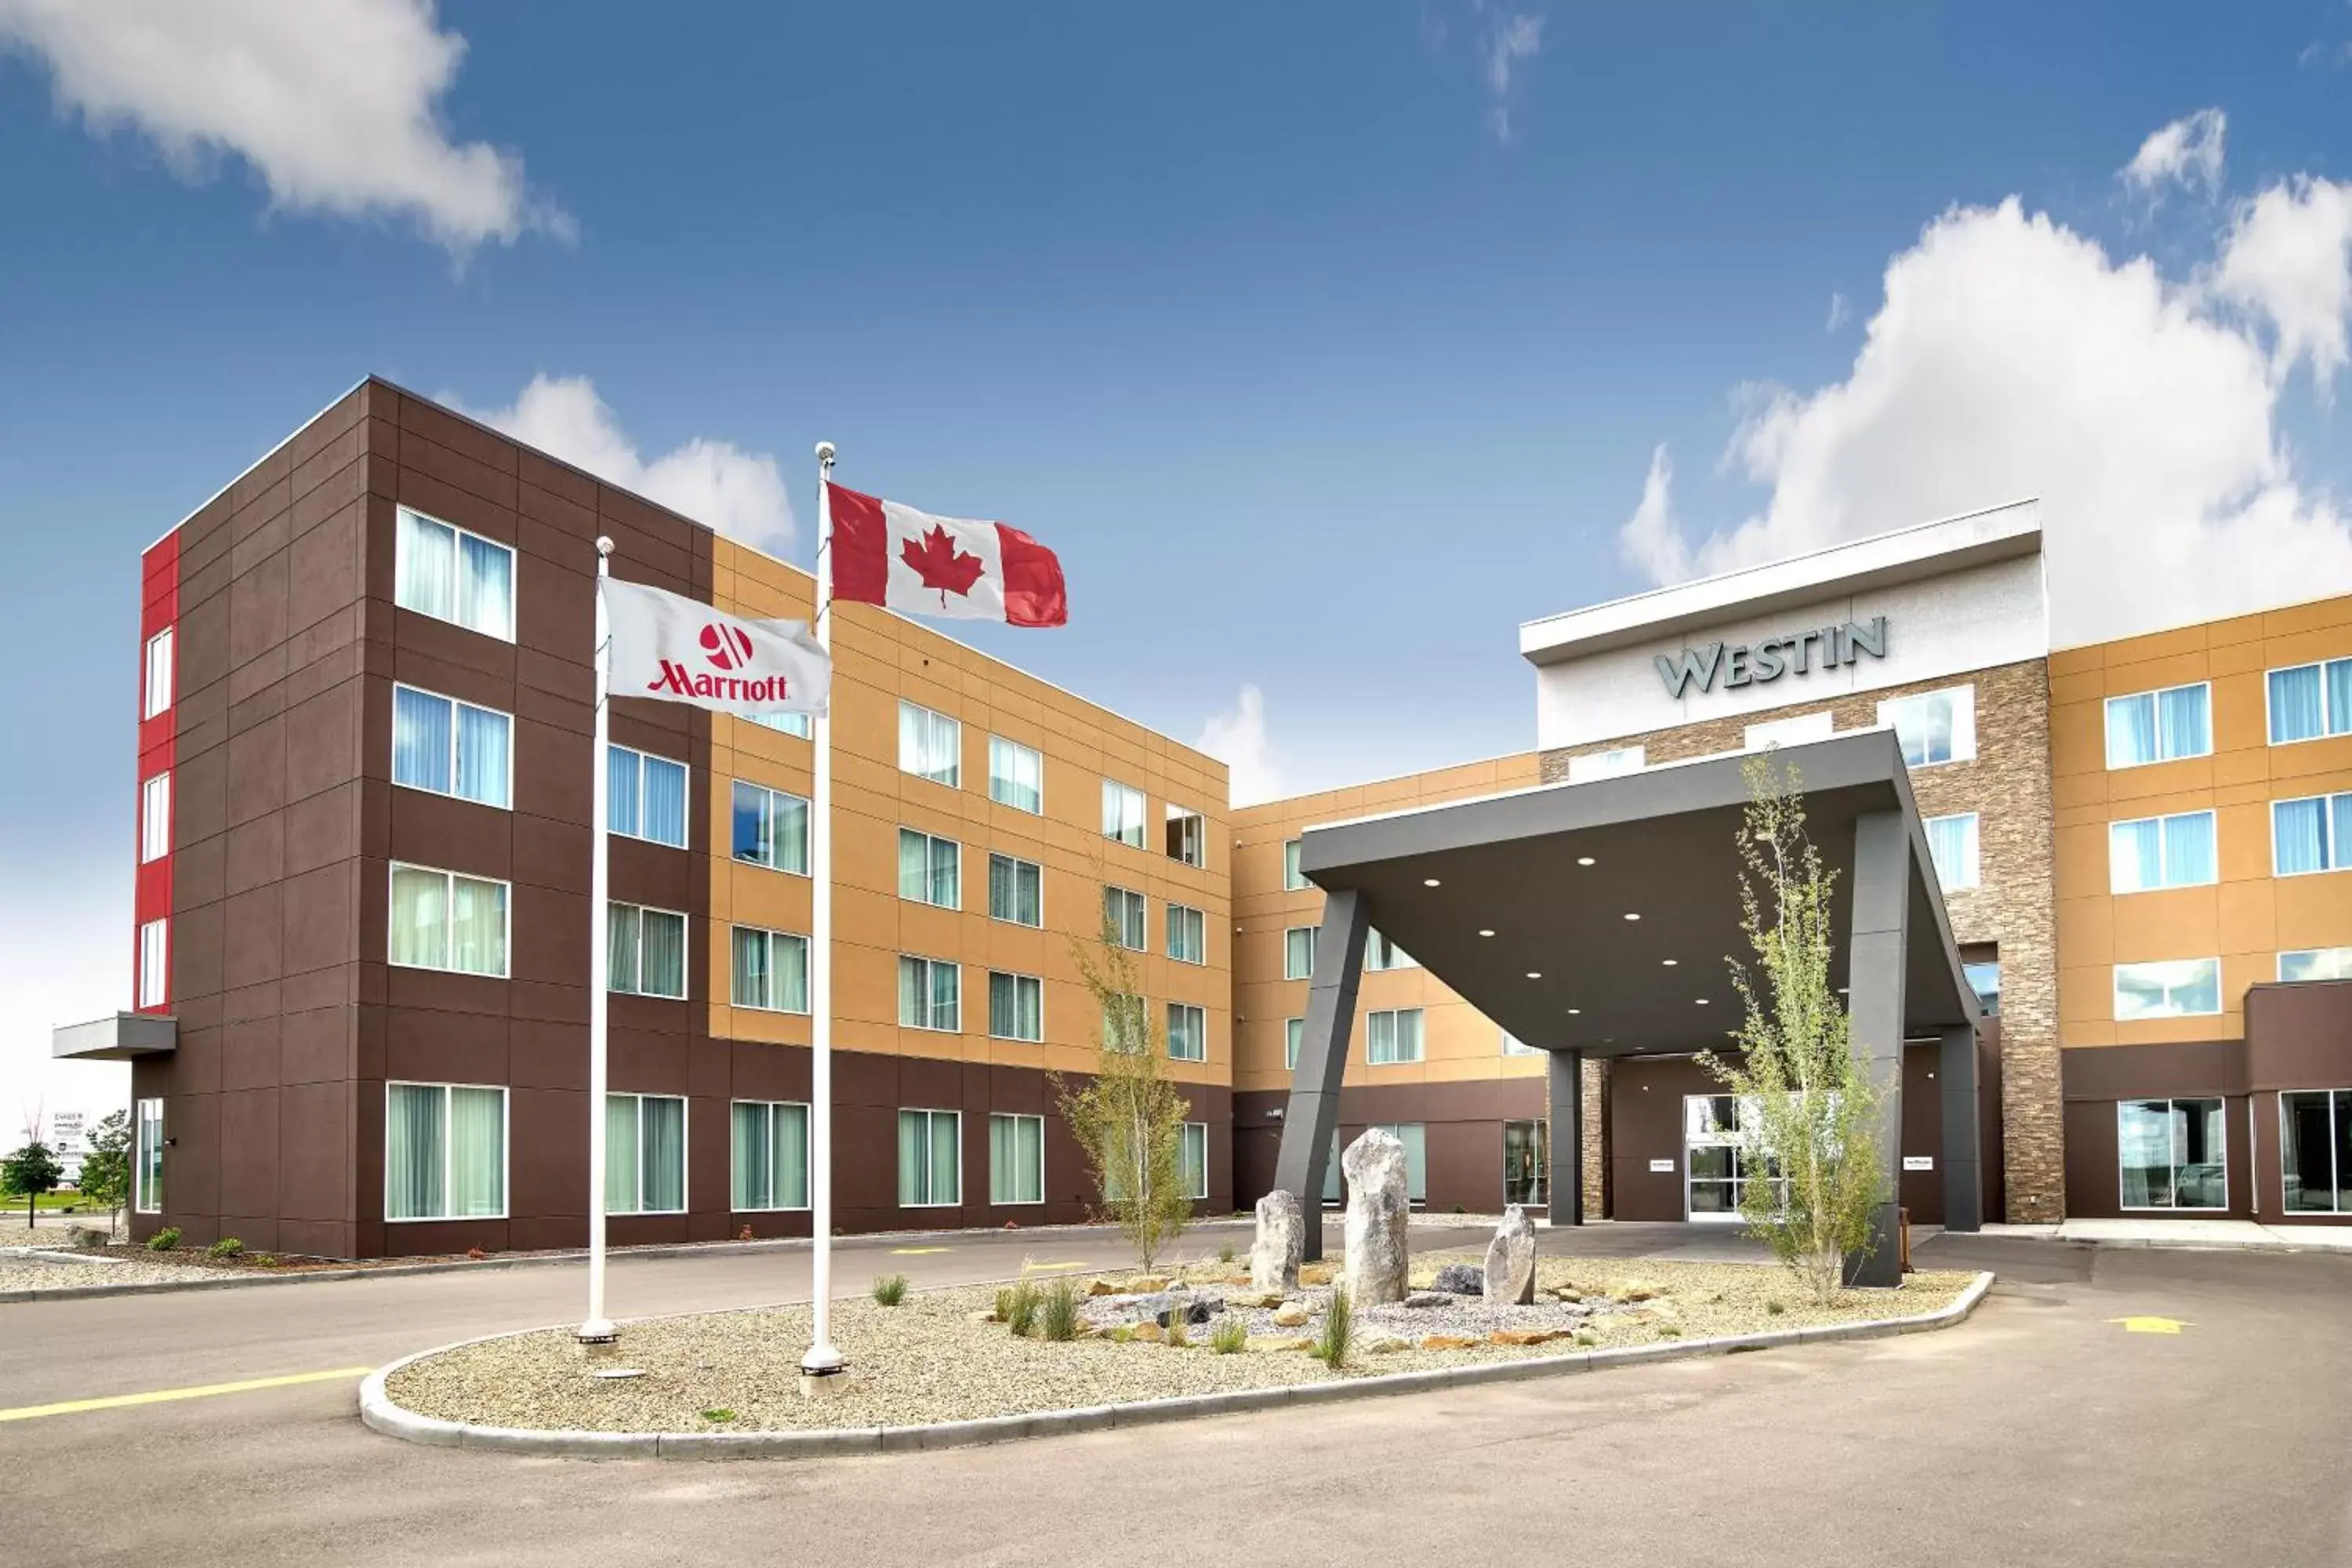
column 889, row 1289
column 475, row 1254
column 268, row 1260
column 719, row 1412
column 1123, row 1335
column 227, row 1246
column 1016, row 1307
column 1774, row 1309
column 1179, row 1336
column 1058, row 1314
column 1670, row 1330
column 1339, row 1327
column 1587, row 1336
column 164, row 1240
column 1226, row 1253
column 1231, row 1335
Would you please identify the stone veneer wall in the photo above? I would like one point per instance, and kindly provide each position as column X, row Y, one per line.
column 1593, row 1153
column 2014, row 904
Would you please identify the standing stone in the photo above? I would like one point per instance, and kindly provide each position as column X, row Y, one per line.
column 1281, row 1242
column 1511, row 1260
column 1378, row 1258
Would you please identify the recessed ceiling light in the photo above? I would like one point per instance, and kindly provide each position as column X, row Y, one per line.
column 1632, row 916
column 1576, row 1011
column 1670, row 963
column 1485, row 934
column 1429, row 882
column 1535, row 974
column 1584, row 859
column 1701, row 1001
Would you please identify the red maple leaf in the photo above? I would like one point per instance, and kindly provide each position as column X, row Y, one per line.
column 940, row 564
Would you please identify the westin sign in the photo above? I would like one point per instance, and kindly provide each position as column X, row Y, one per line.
column 1746, row 664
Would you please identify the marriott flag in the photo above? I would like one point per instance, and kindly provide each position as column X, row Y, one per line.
column 667, row 647
column 885, row 553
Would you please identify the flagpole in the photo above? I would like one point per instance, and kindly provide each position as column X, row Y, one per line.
column 823, row 1362
column 598, row 1328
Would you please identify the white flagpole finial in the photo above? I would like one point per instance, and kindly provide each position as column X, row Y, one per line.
column 824, row 453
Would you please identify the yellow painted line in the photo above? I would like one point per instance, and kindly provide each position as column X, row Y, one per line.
column 1027, row 1267
column 2146, row 1325
column 165, row 1395
column 914, row 1251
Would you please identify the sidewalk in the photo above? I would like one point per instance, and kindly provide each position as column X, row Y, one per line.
column 2226, row 1235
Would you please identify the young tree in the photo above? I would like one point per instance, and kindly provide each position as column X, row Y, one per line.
column 1129, row 1117
column 1806, row 1114
column 106, row 1168
column 30, row 1171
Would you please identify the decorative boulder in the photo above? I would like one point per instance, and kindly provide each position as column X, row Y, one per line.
column 1511, row 1261
column 1460, row 1279
column 1189, row 1307
column 1281, row 1242
column 1378, row 1258
column 87, row 1236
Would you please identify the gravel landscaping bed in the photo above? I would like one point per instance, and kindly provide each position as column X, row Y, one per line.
column 20, row 1272
column 929, row 1360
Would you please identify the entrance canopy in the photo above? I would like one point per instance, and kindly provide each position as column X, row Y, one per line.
column 1597, row 917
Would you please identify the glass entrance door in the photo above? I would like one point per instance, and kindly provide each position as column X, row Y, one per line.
column 1526, row 1156
column 1717, row 1171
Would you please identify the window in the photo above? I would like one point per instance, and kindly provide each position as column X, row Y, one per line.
column 2176, row 988
column 645, row 796
column 1122, row 813
column 1380, row 953
column 931, row 1159
column 453, row 575
column 1017, row 775
column 1187, row 836
column 155, row 957
column 1791, row 731
column 1123, row 1026
column 931, row 745
column 771, row 829
column 1298, row 954
column 1722, row 1155
column 1293, row 880
column 442, row 920
column 930, row 994
column 450, row 747
column 770, row 1158
column 2173, row 1154
column 1514, row 1047
column 1123, row 914
column 147, row 1169
column 1414, row 1136
column 771, row 970
column 1934, row 727
column 930, row 869
column 2316, row 963
column 1017, row 1006
column 155, row 818
column 1188, row 941
column 1393, row 1036
column 1016, row 890
column 2158, row 726
column 1526, row 1160
column 2161, row 852
column 1016, row 1159
column 1196, row 1159
column 1984, row 979
column 445, row 1152
column 1952, row 845
column 644, row 1153
column 156, row 690
column 2311, row 700
column 1294, row 1035
column 2316, row 1151
column 645, row 953
column 799, row 724
column 2313, row 835
column 1188, row 1032
column 1608, row 764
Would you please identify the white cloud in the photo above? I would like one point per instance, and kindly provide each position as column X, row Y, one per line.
column 1841, row 312
column 334, row 102
column 2288, row 258
column 739, row 493
column 2186, row 153
column 1508, row 40
column 2012, row 357
column 1237, row 739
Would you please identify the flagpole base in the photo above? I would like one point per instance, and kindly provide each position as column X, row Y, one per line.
column 823, row 1372
column 597, row 1338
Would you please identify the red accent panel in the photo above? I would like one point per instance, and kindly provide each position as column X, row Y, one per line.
column 159, row 607
column 1033, row 591
column 861, row 547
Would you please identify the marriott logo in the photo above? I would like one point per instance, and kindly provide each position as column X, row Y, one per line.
column 1751, row 664
column 679, row 681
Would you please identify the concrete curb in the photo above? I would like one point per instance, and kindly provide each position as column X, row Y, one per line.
column 378, row 1411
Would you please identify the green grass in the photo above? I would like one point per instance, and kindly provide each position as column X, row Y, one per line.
column 1230, row 1336
column 1016, row 1307
column 1338, row 1330
column 1058, row 1314
column 889, row 1289
column 719, row 1412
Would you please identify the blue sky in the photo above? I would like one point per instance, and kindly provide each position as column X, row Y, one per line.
column 1327, row 342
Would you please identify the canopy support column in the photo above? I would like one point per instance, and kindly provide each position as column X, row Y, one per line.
column 1313, row 1115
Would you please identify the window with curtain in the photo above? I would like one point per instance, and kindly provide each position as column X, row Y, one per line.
column 2316, row 1151
column 1393, row 1034
column 645, row 796
column 1017, row 1006
column 450, row 747
column 931, row 1159
column 1196, row 1159
column 1934, row 727
column 929, row 994
column 2173, row 1153
column 1017, row 775
column 1414, row 1136
column 1952, row 845
column 155, row 963
column 1126, row 1025
column 2159, row 726
column 1123, row 914
column 929, row 870
column 453, row 575
column 442, row 920
column 155, row 818
column 1016, row 890
column 1187, row 836
column 931, row 745
column 769, row 1158
column 771, row 970
column 1380, row 953
column 2152, row 852
column 2311, row 700
column 1188, row 938
column 2313, row 835
column 444, row 1149
column 645, row 952
column 1294, row 1035
column 2316, row 963
column 1016, row 1159
column 147, row 1159
column 2172, row 988
column 1122, row 813
column 771, row 829
column 1188, row 1032
column 1298, row 954
column 644, row 1153
column 799, row 724
column 1293, row 879
column 155, row 691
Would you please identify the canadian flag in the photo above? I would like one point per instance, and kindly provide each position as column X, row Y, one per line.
column 885, row 553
